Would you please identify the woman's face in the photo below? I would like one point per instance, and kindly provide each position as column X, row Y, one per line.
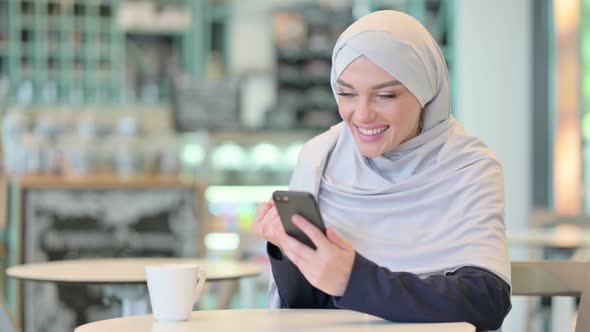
column 380, row 112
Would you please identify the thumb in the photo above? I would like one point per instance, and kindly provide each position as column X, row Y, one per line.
column 337, row 239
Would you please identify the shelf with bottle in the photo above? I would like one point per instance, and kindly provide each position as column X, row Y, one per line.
column 254, row 161
column 80, row 141
column 243, row 158
column 25, row 7
column 154, row 17
column 64, row 38
column 92, row 30
column 53, row 10
column 303, row 38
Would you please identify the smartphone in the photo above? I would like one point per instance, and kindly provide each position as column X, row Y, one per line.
column 302, row 203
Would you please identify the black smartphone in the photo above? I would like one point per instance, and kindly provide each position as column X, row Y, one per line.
column 302, row 203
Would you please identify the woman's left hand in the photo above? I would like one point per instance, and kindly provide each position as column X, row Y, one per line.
column 327, row 268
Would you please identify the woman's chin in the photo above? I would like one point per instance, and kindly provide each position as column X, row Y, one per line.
column 374, row 151
column 370, row 152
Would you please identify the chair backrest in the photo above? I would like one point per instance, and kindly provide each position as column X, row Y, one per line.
column 555, row 278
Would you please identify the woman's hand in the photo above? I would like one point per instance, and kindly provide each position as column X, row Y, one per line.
column 327, row 268
column 267, row 223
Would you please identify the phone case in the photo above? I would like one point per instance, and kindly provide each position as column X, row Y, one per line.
column 303, row 203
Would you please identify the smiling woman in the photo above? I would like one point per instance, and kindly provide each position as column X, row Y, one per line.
column 413, row 206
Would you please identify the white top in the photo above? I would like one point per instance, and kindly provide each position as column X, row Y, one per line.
column 123, row 270
column 270, row 320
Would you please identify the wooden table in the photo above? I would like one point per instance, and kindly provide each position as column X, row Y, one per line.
column 124, row 271
column 270, row 321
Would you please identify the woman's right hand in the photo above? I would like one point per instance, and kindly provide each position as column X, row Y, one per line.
column 267, row 223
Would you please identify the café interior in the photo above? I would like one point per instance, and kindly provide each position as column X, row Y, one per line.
column 139, row 132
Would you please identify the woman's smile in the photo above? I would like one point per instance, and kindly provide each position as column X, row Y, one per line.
column 370, row 134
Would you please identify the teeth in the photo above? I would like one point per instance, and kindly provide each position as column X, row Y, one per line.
column 372, row 131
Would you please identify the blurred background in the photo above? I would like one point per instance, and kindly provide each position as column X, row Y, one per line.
column 154, row 128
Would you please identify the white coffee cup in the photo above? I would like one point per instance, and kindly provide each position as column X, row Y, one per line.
column 173, row 289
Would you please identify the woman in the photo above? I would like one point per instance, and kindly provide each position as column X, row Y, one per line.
column 414, row 206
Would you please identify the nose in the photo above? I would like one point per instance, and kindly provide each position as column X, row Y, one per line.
column 363, row 112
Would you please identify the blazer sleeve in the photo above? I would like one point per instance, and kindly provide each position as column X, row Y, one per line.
column 469, row 294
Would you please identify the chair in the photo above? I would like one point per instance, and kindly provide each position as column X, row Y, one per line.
column 555, row 278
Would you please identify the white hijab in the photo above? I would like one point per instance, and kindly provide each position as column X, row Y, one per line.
column 433, row 204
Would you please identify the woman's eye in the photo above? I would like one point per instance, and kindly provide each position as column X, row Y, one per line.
column 387, row 96
column 345, row 94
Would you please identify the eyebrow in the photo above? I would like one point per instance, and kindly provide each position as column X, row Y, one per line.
column 378, row 86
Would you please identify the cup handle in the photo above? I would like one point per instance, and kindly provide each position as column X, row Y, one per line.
column 201, row 277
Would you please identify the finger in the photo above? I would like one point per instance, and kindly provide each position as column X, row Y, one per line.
column 279, row 223
column 276, row 225
column 293, row 257
column 288, row 251
column 303, row 257
column 315, row 234
column 336, row 239
column 270, row 221
column 257, row 221
column 261, row 211
column 272, row 215
column 298, row 249
column 271, row 226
